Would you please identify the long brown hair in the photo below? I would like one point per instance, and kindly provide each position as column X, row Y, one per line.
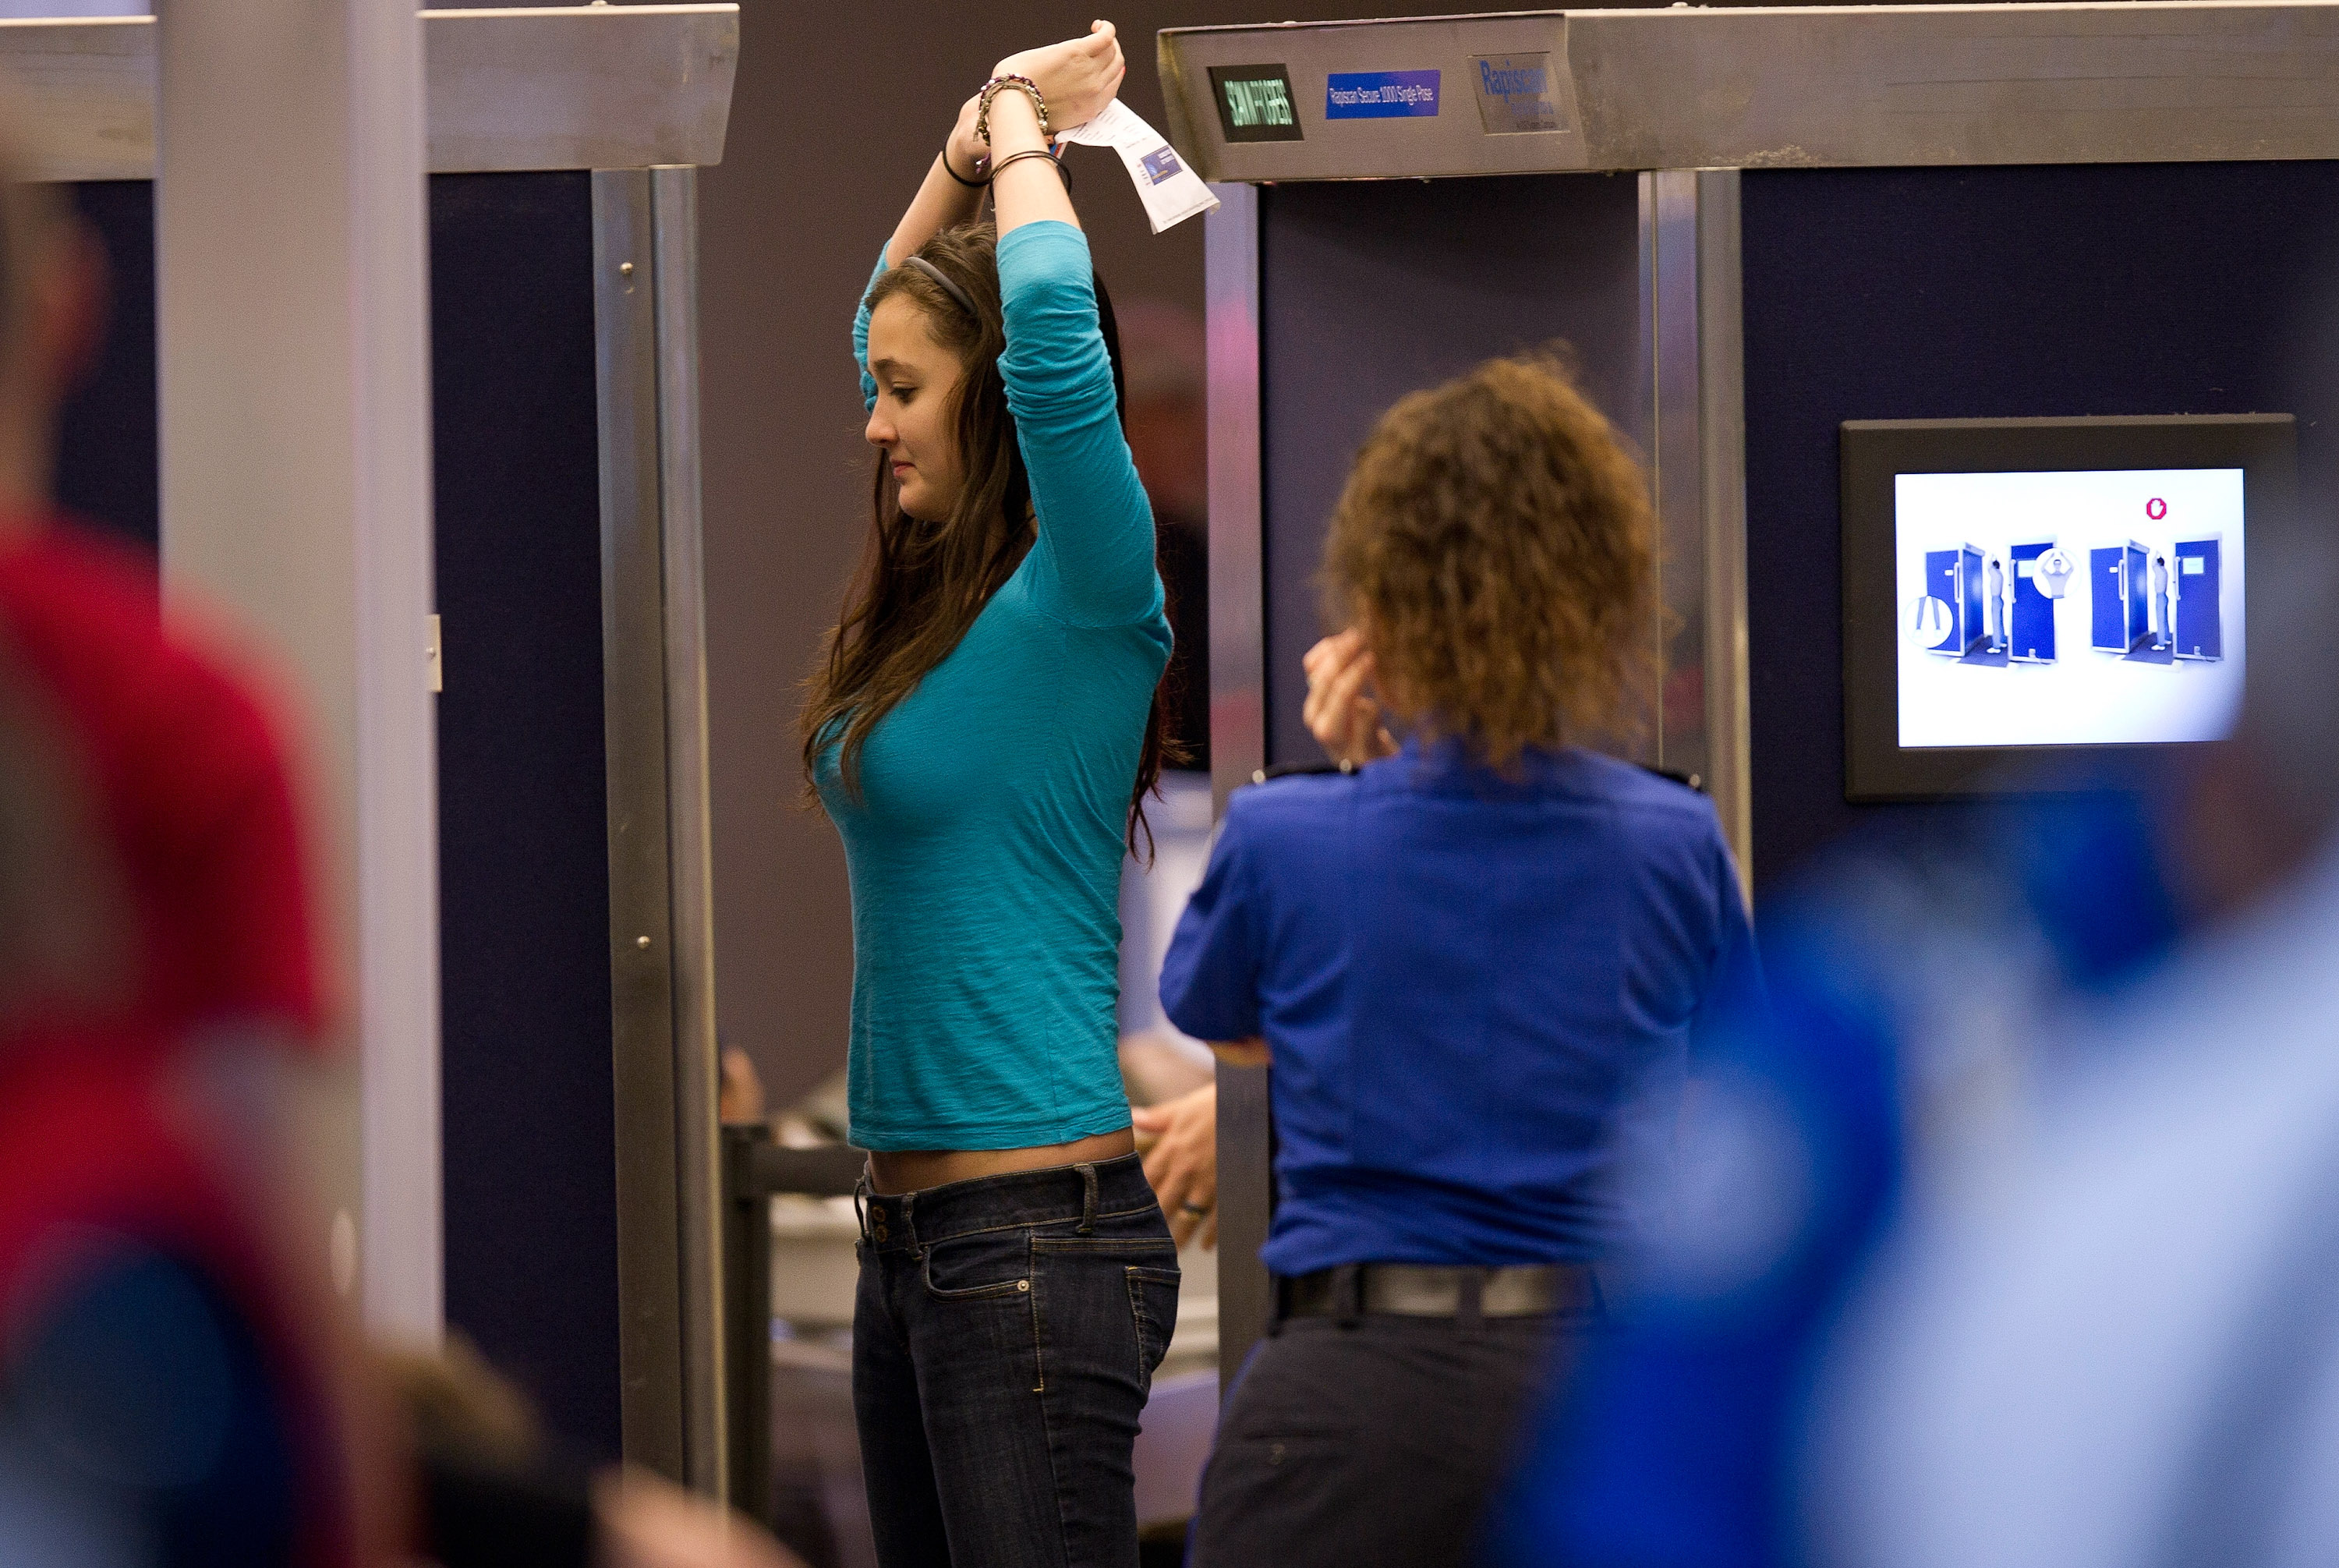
column 920, row 584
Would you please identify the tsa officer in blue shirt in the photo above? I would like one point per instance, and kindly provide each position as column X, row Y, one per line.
column 1473, row 962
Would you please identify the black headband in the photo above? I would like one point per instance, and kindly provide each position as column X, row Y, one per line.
column 953, row 290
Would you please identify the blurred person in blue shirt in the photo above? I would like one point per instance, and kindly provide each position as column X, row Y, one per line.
column 1900, row 982
column 1996, row 1237
column 2107, row 1336
column 1475, row 962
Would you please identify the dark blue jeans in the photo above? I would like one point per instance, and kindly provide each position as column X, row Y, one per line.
column 1004, row 1342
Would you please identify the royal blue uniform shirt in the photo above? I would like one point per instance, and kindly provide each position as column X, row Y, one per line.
column 1477, row 991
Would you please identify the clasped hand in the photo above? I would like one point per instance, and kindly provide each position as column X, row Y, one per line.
column 1078, row 77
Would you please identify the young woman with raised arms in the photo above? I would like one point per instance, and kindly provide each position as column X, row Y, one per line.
column 982, row 729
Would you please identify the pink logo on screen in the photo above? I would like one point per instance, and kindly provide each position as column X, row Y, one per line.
column 2156, row 508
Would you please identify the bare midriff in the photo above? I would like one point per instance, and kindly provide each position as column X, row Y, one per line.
column 916, row 1170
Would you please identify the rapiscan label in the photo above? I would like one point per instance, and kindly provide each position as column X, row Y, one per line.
column 1380, row 95
column 1515, row 94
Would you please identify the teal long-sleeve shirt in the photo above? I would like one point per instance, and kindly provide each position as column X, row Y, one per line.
column 985, row 846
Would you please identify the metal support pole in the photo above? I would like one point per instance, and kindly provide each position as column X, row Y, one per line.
column 1669, row 283
column 1693, row 354
column 1238, row 722
column 747, row 1318
column 690, row 856
column 1722, row 494
column 755, row 1169
column 661, row 934
column 293, row 371
column 1238, row 519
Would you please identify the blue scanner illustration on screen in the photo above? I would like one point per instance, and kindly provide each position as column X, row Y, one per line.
column 1994, row 606
column 2121, row 622
column 2041, row 572
column 2162, row 638
column 1963, row 612
column 2148, row 605
column 2198, row 580
column 1952, row 603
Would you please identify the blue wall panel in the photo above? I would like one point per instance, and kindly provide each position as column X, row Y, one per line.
column 109, row 433
column 523, row 808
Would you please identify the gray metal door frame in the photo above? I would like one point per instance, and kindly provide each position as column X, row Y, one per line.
column 661, row 906
column 1690, row 356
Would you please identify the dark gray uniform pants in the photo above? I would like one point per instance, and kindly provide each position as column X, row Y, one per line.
column 1376, row 1446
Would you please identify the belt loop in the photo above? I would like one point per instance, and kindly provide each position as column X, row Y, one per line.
column 1470, row 1298
column 861, row 1203
column 908, row 1218
column 1087, row 1196
column 1278, row 1302
column 1348, row 1290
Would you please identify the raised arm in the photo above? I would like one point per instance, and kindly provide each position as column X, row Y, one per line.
column 1092, row 563
column 1078, row 77
column 945, row 198
column 1094, row 556
column 942, row 202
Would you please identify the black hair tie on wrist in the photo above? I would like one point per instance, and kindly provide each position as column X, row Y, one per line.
column 969, row 184
column 948, row 287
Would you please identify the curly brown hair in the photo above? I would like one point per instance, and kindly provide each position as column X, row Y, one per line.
column 1496, row 545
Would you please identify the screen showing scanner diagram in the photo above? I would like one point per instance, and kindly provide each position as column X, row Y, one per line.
column 2069, row 608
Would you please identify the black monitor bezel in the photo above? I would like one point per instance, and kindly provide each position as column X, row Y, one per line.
column 1877, row 451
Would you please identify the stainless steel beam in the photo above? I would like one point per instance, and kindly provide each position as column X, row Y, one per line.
column 536, row 87
column 1722, row 507
column 1669, row 215
column 1238, row 519
column 1690, row 87
column 1237, row 720
column 690, row 856
column 580, row 87
column 1246, row 1205
column 652, row 1407
column 661, row 908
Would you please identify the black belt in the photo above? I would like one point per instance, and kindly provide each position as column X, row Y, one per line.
column 1425, row 1291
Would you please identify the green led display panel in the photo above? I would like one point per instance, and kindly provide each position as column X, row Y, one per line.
column 1255, row 102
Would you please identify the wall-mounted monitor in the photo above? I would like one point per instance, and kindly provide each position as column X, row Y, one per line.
column 2031, row 589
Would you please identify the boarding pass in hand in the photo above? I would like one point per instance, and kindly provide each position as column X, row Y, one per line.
column 1171, row 191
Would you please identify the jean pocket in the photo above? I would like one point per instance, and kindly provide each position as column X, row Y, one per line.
column 977, row 1267
column 1153, row 1303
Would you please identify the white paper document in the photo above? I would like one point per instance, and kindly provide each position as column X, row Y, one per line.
column 1171, row 191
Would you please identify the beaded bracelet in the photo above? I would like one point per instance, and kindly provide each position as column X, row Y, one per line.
column 1024, row 84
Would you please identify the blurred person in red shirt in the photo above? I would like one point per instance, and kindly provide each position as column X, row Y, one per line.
column 174, row 1389
column 170, row 1391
